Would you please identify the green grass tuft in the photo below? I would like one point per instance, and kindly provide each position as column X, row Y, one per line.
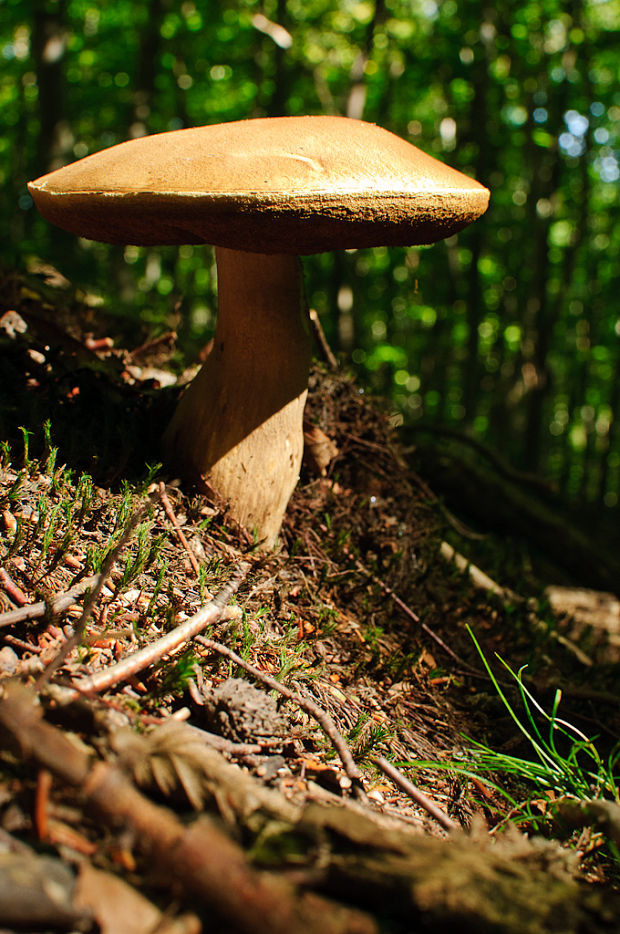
column 565, row 763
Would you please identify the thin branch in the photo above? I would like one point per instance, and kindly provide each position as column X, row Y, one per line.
column 319, row 336
column 54, row 605
column 321, row 716
column 11, row 589
column 142, row 658
column 222, row 744
column 482, row 581
column 197, row 860
column 388, row 590
column 456, row 524
column 168, row 337
column 413, row 616
column 177, row 528
column 22, row 644
column 418, row 796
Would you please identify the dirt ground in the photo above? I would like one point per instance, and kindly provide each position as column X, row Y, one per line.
column 345, row 652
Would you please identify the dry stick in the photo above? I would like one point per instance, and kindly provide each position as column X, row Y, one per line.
column 321, row 716
column 456, row 524
column 319, row 335
column 482, row 581
column 89, row 603
column 198, row 859
column 222, row 744
column 418, row 796
column 209, row 739
column 155, row 342
column 55, row 604
column 388, row 590
column 177, row 528
column 142, row 658
column 22, row 644
column 414, row 616
column 10, row 587
column 479, row 579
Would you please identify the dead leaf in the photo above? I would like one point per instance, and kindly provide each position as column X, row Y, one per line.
column 319, row 450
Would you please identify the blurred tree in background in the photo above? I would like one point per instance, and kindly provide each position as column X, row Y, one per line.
column 509, row 331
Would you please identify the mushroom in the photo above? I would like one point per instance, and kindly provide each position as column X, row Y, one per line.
column 264, row 192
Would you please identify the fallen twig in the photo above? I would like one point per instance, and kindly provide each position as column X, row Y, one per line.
column 319, row 336
column 149, row 345
column 415, row 794
column 142, row 658
column 41, row 803
column 479, row 579
column 55, row 604
column 177, row 528
column 11, row 589
column 413, row 616
column 22, row 644
column 199, row 859
column 388, row 590
column 482, row 581
column 224, row 745
column 321, row 716
column 456, row 524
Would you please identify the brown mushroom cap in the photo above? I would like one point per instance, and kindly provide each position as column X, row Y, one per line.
column 281, row 185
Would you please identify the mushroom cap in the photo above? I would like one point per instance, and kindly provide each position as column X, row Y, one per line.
column 274, row 185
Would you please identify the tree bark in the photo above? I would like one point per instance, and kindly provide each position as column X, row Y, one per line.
column 49, row 45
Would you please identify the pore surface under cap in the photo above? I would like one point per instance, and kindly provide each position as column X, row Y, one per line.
column 280, row 185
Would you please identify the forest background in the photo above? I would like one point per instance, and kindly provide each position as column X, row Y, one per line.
column 509, row 332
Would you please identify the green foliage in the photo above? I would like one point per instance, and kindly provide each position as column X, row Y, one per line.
column 14, row 491
column 366, row 737
column 49, row 527
column 159, row 583
column 26, row 436
column 145, row 553
column 509, row 330
column 565, row 763
column 178, row 673
column 50, row 530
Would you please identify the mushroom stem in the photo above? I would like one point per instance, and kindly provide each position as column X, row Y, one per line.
column 238, row 426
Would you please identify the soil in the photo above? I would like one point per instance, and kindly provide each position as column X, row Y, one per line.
column 357, row 612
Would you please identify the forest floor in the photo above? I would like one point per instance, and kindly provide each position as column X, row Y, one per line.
column 297, row 724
